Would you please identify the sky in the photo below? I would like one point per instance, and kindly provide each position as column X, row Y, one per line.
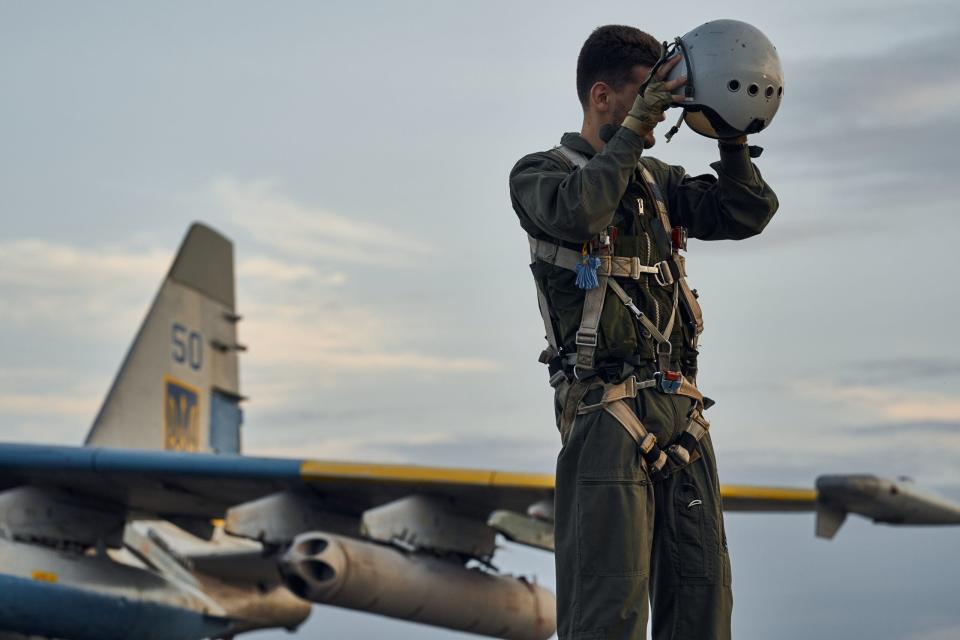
column 357, row 154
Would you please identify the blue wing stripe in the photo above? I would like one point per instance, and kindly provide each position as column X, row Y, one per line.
column 44, row 458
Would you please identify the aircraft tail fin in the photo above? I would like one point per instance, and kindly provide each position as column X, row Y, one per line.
column 178, row 387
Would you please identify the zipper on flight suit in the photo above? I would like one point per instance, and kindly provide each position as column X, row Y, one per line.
column 646, row 281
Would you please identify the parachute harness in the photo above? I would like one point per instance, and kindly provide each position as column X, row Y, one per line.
column 597, row 275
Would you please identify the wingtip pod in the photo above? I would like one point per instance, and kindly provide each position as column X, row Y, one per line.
column 204, row 263
column 879, row 499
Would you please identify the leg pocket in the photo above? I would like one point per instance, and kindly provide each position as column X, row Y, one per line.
column 615, row 521
column 690, row 511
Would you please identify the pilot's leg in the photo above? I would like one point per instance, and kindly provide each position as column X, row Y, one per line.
column 604, row 528
column 690, row 582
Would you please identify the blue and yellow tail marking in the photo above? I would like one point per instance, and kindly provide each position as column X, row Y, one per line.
column 181, row 416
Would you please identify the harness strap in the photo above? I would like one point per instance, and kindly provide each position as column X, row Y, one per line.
column 664, row 348
column 549, row 329
column 692, row 310
column 658, row 199
column 665, row 272
column 588, row 335
column 687, row 447
column 570, row 394
column 688, row 300
column 682, row 452
column 615, row 392
column 614, row 403
column 571, row 155
column 652, row 455
column 669, row 271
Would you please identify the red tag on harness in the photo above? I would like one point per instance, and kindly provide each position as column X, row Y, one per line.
column 678, row 237
column 672, row 376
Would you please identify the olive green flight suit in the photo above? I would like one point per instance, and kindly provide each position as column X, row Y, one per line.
column 622, row 538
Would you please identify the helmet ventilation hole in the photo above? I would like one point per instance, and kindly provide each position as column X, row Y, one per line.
column 733, row 85
column 779, row 92
column 753, row 89
column 768, row 92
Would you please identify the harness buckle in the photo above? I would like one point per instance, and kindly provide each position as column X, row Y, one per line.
column 557, row 378
column 586, row 338
column 630, row 387
column 663, row 276
column 583, row 373
column 669, row 381
column 664, row 349
column 647, row 443
column 679, row 454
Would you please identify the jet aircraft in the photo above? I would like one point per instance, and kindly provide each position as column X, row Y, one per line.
column 158, row 528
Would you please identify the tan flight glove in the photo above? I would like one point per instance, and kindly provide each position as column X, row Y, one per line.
column 648, row 108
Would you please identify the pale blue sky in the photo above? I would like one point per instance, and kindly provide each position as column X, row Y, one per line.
column 357, row 153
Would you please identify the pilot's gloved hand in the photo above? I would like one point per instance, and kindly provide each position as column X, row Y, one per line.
column 648, row 108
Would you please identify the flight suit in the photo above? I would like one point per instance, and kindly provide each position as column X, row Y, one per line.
column 622, row 537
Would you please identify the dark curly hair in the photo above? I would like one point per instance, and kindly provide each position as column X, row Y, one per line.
column 610, row 54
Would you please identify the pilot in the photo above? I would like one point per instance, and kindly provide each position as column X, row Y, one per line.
column 638, row 511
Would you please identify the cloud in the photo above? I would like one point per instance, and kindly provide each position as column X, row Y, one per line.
column 39, row 263
column 308, row 233
column 838, row 426
column 78, row 290
column 949, row 632
column 49, row 404
column 890, row 403
column 874, row 127
column 426, row 447
column 270, row 272
column 915, row 81
column 301, row 341
column 301, row 316
column 896, row 370
column 950, row 427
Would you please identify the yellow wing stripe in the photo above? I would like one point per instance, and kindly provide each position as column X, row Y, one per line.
column 315, row 471
column 44, row 576
column 781, row 494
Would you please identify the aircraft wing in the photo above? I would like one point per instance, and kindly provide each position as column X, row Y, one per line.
column 176, row 485
column 184, row 487
column 172, row 484
column 756, row 498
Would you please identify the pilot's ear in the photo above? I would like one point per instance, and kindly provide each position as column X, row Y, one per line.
column 601, row 95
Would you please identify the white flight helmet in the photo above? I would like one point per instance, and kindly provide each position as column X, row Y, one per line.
column 734, row 79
